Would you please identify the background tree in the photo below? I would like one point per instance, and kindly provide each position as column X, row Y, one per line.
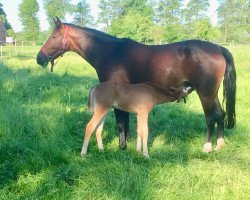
column 57, row 8
column 28, row 15
column 107, row 12
column 134, row 26
column 82, row 16
column 112, row 10
column 205, row 31
column 168, row 14
column 194, row 12
column 234, row 20
column 7, row 25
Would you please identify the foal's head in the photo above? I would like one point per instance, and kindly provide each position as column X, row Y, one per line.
column 55, row 46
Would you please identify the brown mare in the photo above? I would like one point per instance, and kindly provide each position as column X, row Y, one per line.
column 198, row 64
column 136, row 98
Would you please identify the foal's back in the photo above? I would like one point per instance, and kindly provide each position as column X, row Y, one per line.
column 127, row 97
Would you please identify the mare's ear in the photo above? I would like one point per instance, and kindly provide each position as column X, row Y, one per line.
column 57, row 21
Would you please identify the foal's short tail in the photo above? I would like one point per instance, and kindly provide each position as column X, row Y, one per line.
column 229, row 89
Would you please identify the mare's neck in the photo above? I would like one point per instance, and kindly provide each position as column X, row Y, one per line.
column 94, row 46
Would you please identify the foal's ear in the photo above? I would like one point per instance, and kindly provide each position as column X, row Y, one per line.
column 57, row 21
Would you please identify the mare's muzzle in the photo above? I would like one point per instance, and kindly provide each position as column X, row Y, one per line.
column 42, row 59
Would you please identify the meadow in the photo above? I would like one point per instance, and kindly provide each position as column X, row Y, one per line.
column 42, row 121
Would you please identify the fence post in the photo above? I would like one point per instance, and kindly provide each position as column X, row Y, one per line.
column 9, row 50
column 22, row 46
column 1, row 52
column 15, row 47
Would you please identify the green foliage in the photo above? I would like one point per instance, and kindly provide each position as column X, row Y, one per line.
column 234, row 20
column 133, row 25
column 111, row 10
column 196, row 10
column 57, row 8
column 43, row 36
column 82, row 16
column 195, row 16
column 204, row 30
column 42, row 121
column 168, row 12
column 28, row 10
column 173, row 33
column 159, row 21
column 11, row 33
column 3, row 18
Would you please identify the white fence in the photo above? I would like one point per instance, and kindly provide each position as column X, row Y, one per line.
column 18, row 49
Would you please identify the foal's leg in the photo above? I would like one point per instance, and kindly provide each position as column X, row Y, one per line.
column 99, row 134
column 142, row 128
column 139, row 137
column 122, row 122
column 91, row 127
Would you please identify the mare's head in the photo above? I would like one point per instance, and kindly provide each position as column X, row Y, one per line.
column 55, row 46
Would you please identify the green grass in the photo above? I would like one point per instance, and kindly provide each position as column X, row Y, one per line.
column 42, row 118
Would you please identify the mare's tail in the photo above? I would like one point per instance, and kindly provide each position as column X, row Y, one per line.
column 229, row 89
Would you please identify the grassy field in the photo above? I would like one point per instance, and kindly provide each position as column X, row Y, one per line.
column 42, row 118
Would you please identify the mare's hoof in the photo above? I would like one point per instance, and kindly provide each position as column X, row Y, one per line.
column 220, row 144
column 207, row 147
column 123, row 146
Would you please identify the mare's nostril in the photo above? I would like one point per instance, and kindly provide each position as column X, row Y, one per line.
column 41, row 59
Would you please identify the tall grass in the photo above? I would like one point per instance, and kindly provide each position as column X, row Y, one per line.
column 42, row 118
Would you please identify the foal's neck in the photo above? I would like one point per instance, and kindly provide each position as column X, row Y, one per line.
column 92, row 45
column 163, row 97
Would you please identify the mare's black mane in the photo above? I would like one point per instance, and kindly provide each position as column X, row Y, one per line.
column 96, row 33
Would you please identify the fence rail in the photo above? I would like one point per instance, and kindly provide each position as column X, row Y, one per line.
column 17, row 49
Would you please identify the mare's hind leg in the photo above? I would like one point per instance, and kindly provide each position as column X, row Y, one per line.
column 92, row 126
column 220, row 125
column 213, row 114
column 122, row 122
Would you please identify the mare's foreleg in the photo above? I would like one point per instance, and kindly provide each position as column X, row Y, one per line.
column 93, row 124
column 122, row 122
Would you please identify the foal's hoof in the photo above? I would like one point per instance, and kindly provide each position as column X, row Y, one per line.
column 220, row 144
column 207, row 147
column 101, row 150
column 83, row 156
column 146, row 155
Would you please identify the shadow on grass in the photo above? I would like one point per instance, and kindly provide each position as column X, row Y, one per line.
column 43, row 118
